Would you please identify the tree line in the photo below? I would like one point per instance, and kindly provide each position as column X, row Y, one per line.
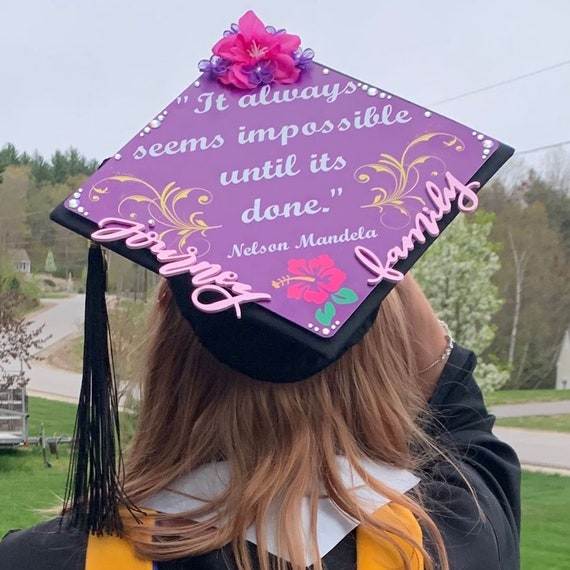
column 30, row 188
column 532, row 233
column 500, row 277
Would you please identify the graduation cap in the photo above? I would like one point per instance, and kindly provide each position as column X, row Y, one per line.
column 282, row 199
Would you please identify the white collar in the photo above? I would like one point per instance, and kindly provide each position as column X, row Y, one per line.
column 209, row 481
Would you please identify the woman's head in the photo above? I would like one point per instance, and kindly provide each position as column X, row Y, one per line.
column 281, row 440
column 367, row 395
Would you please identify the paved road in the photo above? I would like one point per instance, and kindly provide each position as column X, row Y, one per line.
column 62, row 318
column 534, row 447
column 533, row 409
column 540, row 448
column 53, row 383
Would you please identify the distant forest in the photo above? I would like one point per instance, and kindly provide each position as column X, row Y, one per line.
column 31, row 186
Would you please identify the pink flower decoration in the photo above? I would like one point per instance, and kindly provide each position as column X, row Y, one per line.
column 316, row 279
column 257, row 55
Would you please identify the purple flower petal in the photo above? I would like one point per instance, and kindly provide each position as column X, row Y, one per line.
column 234, row 29
column 273, row 30
column 262, row 73
column 215, row 65
column 205, row 66
column 220, row 65
column 304, row 57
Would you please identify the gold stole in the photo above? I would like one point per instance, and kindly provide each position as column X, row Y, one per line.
column 113, row 553
column 375, row 554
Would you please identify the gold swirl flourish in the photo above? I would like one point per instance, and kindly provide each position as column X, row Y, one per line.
column 164, row 207
column 403, row 174
column 95, row 193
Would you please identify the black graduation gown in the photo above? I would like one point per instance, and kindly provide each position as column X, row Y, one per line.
column 460, row 423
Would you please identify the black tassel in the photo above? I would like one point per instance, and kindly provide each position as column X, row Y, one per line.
column 94, row 492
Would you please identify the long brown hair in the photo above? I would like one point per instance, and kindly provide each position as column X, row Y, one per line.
column 280, row 440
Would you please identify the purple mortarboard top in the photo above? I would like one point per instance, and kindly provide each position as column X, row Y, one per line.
column 279, row 186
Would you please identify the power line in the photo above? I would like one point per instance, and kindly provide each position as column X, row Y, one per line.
column 544, row 147
column 505, row 82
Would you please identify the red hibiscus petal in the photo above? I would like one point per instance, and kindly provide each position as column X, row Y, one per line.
column 321, row 263
column 296, row 290
column 298, row 267
column 318, row 297
column 331, row 279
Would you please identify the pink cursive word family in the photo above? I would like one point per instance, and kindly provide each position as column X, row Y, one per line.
column 425, row 222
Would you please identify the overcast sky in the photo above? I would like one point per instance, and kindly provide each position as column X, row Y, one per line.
column 90, row 74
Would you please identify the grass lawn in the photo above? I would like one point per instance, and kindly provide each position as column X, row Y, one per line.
column 77, row 351
column 57, row 417
column 522, row 396
column 26, row 484
column 29, row 486
column 560, row 422
column 546, row 524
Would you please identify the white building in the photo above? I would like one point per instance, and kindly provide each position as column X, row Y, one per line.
column 20, row 260
column 563, row 364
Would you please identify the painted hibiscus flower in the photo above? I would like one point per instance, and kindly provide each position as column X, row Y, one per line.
column 314, row 280
column 256, row 54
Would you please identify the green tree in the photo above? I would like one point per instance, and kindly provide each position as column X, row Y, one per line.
column 32, row 187
column 14, row 229
column 50, row 266
column 455, row 274
column 534, row 279
column 70, row 163
column 556, row 201
column 9, row 156
column 61, row 167
column 13, row 284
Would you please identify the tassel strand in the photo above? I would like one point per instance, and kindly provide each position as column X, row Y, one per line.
column 94, row 491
